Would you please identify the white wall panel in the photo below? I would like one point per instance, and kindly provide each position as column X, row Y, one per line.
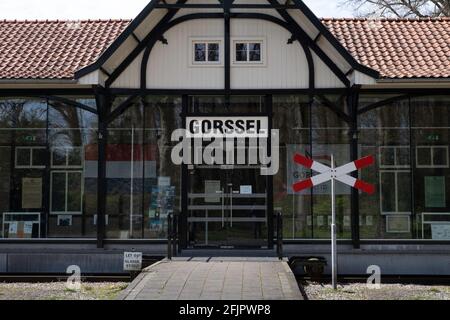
column 131, row 77
column 169, row 65
column 120, row 54
column 324, row 77
column 285, row 64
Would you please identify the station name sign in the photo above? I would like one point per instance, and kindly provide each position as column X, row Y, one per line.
column 227, row 127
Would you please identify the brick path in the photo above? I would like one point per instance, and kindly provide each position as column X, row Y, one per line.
column 215, row 279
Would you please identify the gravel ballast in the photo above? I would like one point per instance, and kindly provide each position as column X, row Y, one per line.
column 360, row 291
column 60, row 291
column 314, row 291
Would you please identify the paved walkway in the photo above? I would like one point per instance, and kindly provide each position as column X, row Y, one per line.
column 215, row 279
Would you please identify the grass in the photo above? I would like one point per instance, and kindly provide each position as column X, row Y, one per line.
column 92, row 291
column 105, row 293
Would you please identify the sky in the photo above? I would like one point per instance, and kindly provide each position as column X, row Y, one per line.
column 116, row 9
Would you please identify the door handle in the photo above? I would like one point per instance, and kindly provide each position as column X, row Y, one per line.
column 222, row 196
column 230, row 185
column 231, row 208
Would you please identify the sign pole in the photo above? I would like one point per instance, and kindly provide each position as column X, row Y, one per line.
column 333, row 225
column 332, row 174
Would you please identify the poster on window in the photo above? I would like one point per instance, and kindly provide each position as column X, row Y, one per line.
column 398, row 224
column 440, row 231
column 31, row 193
column 13, row 227
column 322, row 153
column 28, row 229
column 435, row 192
column 162, row 202
column 164, row 181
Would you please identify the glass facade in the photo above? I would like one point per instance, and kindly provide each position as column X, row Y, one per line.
column 49, row 163
column 143, row 186
column 47, row 189
column 308, row 127
column 411, row 140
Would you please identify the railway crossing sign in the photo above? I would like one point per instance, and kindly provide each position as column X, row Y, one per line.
column 334, row 174
column 340, row 174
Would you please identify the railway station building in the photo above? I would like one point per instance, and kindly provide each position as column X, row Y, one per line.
column 88, row 110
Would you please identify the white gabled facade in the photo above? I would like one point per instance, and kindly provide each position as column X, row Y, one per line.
column 170, row 64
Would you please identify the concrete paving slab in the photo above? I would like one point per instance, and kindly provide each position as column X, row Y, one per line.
column 215, row 279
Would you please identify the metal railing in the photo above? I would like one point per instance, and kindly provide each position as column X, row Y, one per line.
column 279, row 241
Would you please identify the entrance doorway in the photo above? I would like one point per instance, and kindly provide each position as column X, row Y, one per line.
column 228, row 206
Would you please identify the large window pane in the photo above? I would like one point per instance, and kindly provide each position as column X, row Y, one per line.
column 74, row 191
column 291, row 118
column 162, row 182
column 143, row 184
column 388, row 192
column 317, row 132
column 38, row 140
column 330, row 136
column 73, row 157
column 431, row 137
column 58, row 192
column 23, row 138
column 124, row 170
column 385, row 132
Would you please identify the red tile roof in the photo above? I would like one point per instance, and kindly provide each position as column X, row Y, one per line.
column 53, row 49
column 397, row 48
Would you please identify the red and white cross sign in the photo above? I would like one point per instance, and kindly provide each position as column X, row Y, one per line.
column 340, row 174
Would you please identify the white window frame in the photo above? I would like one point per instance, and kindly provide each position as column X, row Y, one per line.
column 247, row 40
column 432, row 165
column 395, row 172
column 432, row 222
column 396, row 165
column 67, row 166
column 30, row 166
column 66, row 172
column 194, row 41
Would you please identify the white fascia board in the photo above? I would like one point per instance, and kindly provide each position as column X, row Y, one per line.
column 359, row 78
column 409, row 84
column 94, row 78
